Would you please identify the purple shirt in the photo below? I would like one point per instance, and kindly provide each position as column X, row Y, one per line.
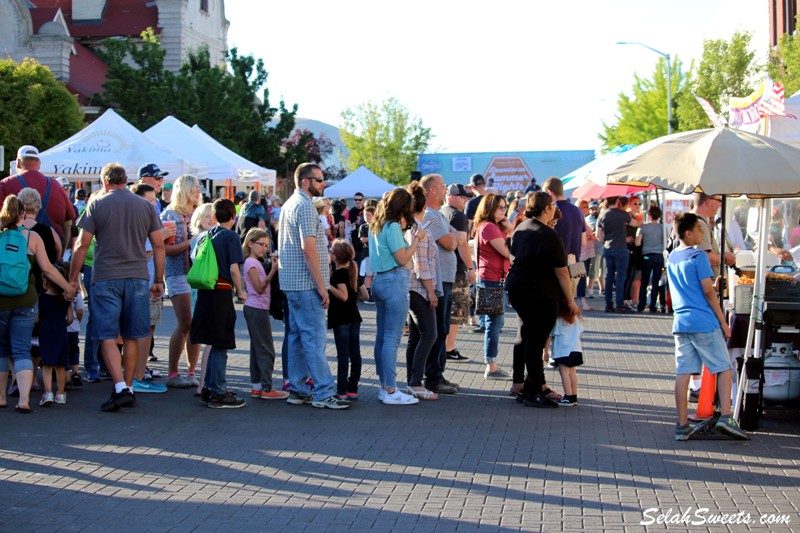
column 570, row 227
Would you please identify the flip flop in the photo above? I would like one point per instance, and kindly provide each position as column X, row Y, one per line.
column 22, row 410
column 551, row 394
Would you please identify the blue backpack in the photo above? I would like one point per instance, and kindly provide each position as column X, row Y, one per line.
column 14, row 265
column 41, row 216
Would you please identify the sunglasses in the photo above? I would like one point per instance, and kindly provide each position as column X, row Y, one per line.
column 318, row 180
column 358, row 199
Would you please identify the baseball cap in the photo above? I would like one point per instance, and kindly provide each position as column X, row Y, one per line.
column 167, row 186
column 64, row 182
column 477, row 179
column 27, row 151
column 151, row 169
column 594, row 204
column 457, row 189
column 241, row 195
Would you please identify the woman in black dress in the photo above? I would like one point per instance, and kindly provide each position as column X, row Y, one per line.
column 537, row 280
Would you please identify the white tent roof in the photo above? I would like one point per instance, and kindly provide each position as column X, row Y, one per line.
column 786, row 129
column 110, row 139
column 245, row 171
column 363, row 181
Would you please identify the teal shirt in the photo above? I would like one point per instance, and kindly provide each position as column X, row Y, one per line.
column 383, row 245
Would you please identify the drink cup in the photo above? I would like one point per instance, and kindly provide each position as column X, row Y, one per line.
column 170, row 224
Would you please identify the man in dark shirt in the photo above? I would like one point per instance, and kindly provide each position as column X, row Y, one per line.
column 611, row 229
column 532, row 187
column 356, row 217
column 571, row 226
column 478, row 190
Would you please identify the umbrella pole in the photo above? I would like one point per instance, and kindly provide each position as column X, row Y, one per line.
column 755, row 310
column 722, row 249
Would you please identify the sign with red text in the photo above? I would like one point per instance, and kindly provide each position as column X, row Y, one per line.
column 505, row 174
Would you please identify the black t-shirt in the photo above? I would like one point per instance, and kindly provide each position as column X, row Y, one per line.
column 536, row 251
column 46, row 233
column 356, row 217
column 339, row 312
column 363, row 231
column 459, row 221
column 472, row 207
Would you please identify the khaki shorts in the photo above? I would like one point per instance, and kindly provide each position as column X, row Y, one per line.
column 459, row 311
column 155, row 312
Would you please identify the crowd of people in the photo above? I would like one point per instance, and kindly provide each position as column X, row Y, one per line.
column 432, row 258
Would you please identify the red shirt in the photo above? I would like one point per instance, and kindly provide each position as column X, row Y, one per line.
column 491, row 265
column 59, row 208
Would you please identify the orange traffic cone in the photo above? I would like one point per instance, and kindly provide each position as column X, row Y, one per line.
column 705, row 404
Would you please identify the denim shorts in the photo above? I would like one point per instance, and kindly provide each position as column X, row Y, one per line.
column 124, row 308
column 156, row 308
column 177, row 285
column 693, row 350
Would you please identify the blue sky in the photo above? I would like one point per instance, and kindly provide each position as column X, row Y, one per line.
column 499, row 76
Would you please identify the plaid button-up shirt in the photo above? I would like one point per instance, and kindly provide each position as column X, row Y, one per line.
column 299, row 218
column 423, row 261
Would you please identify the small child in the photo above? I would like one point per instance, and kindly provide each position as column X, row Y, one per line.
column 564, row 346
column 255, row 247
column 54, row 314
column 73, row 336
column 699, row 327
column 344, row 318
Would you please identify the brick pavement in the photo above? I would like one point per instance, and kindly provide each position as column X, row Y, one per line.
column 474, row 462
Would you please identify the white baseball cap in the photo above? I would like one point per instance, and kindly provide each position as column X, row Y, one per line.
column 27, row 151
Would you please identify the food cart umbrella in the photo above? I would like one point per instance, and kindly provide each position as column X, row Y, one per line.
column 718, row 161
column 591, row 189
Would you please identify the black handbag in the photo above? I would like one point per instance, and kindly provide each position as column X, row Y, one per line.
column 490, row 300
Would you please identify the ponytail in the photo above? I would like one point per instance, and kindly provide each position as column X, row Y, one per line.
column 353, row 271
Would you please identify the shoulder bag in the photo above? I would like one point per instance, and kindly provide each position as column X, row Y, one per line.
column 490, row 300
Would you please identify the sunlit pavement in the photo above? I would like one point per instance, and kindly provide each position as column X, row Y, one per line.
column 474, row 461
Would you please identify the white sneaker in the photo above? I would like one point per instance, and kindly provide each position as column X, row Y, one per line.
column 399, row 398
column 382, row 395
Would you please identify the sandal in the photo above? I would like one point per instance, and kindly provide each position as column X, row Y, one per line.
column 22, row 410
column 422, row 394
column 551, row 394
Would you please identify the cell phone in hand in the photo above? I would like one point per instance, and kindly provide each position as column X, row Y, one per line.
column 426, row 224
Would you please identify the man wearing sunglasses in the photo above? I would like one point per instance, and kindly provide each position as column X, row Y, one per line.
column 151, row 175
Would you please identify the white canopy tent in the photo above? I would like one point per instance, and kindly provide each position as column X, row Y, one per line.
column 363, row 181
column 243, row 171
column 111, row 139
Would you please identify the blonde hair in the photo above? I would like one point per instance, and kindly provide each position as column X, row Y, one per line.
column 252, row 235
column 183, row 201
column 202, row 211
column 11, row 213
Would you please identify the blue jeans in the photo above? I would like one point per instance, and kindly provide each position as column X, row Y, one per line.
column 215, row 370
column 307, row 337
column 651, row 267
column 348, row 355
column 390, row 291
column 491, row 337
column 434, row 370
column 16, row 330
column 616, row 271
column 91, row 361
column 582, row 281
column 285, row 345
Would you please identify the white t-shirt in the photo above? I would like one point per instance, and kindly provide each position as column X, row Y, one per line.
column 77, row 304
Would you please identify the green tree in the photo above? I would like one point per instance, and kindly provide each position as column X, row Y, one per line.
column 643, row 115
column 384, row 138
column 37, row 109
column 726, row 69
column 784, row 63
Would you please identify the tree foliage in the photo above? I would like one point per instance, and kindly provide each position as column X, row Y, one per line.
column 784, row 63
column 384, row 138
column 727, row 68
column 37, row 109
column 230, row 102
column 643, row 115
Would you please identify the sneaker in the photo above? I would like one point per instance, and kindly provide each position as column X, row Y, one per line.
column 192, row 379
column 382, row 395
column 296, row 399
column 623, row 310
column 684, row 432
column 455, row 355
column 225, row 401
column 285, row 387
column 399, row 398
column 92, row 376
column 104, row 375
column 331, row 402
column 352, row 396
column 147, row 387
column 47, row 400
column 274, row 395
column 567, row 402
column 610, row 309
column 310, row 383
column 77, row 382
column 442, row 388
column 61, row 399
column 123, row 399
column 152, row 358
column 586, row 307
column 451, row 384
column 205, row 396
column 497, row 375
column 728, row 425
column 539, row 401
column 178, row 382
column 255, row 393
column 153, row 372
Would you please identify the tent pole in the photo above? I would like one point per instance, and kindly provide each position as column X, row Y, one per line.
column 722, row 249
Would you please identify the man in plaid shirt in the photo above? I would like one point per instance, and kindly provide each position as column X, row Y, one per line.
column 304, row 273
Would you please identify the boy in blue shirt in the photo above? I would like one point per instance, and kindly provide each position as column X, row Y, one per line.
column 699, row 326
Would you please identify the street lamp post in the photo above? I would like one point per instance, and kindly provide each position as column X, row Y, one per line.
column 669, row 81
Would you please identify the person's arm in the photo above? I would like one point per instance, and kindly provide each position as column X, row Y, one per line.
column 712, row 297
column 562, row 273
column 175, row 249
column 67, row 227
column 82, row 244
column 236, row 278
column 339, row 291
column 252, row 273
column 639, row 237
column 500, row 245
column 309, row 245
column 157, row 242
column 70, row 315
column 79, row 313
column 546, row 352
column 449, row 242
column 406, row 254
column 36, row 245
column 466, row 257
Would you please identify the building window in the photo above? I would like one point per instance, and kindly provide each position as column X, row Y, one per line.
column 204, row 6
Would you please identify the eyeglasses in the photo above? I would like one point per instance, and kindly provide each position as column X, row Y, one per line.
column 157, row 178
column 358, row 199
column 636, row 203
column 264, row 244
column 318, row 180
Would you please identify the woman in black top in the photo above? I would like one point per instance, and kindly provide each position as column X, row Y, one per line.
column 537, row 280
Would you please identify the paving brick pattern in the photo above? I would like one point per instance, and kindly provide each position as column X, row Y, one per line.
column 477, row 461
